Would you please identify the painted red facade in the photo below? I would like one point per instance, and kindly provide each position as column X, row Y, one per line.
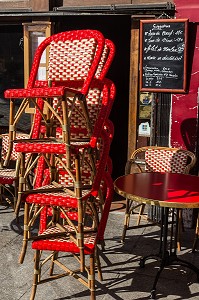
column 184, row 114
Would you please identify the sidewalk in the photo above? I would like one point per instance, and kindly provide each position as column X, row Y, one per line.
column 123, row 278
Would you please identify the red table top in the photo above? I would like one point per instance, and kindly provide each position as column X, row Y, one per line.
column 162, row 189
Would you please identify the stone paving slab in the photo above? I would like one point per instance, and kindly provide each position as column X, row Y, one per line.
column 123, row 278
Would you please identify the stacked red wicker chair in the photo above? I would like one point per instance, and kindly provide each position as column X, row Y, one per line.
column 58, row 237
column 74, row 56
column 86, row 151
column 72, row 182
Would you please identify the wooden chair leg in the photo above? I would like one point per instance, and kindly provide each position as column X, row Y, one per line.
column 196, row 234
column 126, row 220
column 141, row 212
column 36, row 275
column 21, row 185
column 179, row 230
column 80, row 235
column 55, row 256
column 91, row 278
column 97, row 258
column 25, row 233
column 1, row 193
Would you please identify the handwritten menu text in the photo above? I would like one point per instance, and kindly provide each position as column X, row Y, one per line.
column 163, row 47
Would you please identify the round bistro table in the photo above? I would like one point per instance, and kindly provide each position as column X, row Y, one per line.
column 171, row 192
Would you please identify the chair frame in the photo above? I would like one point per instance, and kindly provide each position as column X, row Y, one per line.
column 76, row 249
column 109, row 93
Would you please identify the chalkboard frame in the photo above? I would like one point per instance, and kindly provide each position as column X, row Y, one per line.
column 171, row 88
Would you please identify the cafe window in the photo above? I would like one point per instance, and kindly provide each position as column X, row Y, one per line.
column 11, row 58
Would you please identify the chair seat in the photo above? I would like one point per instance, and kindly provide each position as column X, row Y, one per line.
column 56, row 198
column 7, row 176
column 41, row 147
column 63, row 243
column 49, row 146
column 35, row 92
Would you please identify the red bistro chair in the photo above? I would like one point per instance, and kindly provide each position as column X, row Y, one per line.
column 86, row 149
column 66, row 238
column 73, row 56
column 10, row 176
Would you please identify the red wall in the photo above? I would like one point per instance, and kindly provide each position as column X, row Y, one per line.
column 184, row 114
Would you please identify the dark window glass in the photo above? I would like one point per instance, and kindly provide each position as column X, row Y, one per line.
column 11, row 57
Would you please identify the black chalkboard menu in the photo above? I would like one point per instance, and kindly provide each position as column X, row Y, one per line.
column 163, row 55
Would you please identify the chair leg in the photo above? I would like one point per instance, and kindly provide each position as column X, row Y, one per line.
column 36, row 275
column 80, row 235
column 99, row 269
column 1, row 193
column 91, row 279
column 25, row 234
column 179, row 230
column 21, row 185
column 55, row 256
column 141, row 212
column 126, row 220
column 196, row 234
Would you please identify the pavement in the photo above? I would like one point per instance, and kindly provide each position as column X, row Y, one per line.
column 123, row 278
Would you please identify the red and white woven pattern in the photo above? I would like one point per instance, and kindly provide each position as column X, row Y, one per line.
column 102, row 61
column 79, row 127
column 41, row 147
column 165, row 161
column 65, row 179
column 7, row 176
column 64, row 243
column 5, row 145
column 35, row 92
column 71, row 60
column 54, row 198
column 106, row 59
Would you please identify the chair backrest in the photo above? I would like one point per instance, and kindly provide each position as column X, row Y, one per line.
column 73, row 55
column 106, row 60
column 100, row 100
column 161, row 159
column 76, row 77
column 79, row 124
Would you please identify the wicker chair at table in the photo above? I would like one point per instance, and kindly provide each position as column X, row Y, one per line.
column 73, row 56
column 155, row 159
column 99, row 101
column 63, row 237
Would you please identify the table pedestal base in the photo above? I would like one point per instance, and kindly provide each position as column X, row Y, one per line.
column 165, row 256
